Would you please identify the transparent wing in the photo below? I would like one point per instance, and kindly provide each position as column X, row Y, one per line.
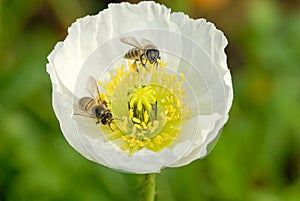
column 76, row 108
column 147, row 44
column 131, row 41
column 92, row 87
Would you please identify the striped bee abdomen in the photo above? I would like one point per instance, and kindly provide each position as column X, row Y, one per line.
column 133, row 54
column 86, row 103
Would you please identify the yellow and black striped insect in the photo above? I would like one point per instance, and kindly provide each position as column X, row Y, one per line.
column 142, row 52
column 93, row 106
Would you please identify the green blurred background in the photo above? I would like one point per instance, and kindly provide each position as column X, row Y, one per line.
column 257, row 157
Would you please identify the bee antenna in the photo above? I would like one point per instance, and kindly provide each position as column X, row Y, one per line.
column 117, row 119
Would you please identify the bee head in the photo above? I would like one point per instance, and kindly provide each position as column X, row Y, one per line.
column 98, row 112
column 107, row 118
column 152, row 55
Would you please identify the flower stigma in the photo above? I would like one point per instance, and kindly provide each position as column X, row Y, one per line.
column 147, row 104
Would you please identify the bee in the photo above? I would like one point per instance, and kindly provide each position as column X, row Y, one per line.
column 142, row 52
column 94, row 106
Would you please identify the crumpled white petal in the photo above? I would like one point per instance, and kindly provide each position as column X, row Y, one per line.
column 194, row 41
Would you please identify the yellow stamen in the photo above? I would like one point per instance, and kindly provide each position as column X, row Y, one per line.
column 136, row 120
column 146, row 116
column 148, row 104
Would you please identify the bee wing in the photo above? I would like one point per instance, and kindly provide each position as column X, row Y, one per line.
column 147, row 44
column 77, row 110
column 129, row 40
column 92, row 87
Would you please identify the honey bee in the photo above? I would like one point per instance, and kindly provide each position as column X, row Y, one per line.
column 142, row 52
column 94, row 106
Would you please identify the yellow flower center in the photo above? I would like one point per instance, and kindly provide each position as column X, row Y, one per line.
column 147, row 107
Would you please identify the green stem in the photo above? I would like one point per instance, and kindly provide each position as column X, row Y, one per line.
column 150, row 187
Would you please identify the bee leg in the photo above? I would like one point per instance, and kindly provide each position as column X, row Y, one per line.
column 105, row 103
column 110, row 127
column 156, row 63
column 136, row 64
column 141, row 59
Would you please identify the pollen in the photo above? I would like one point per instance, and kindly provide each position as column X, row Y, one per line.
column 147, row 105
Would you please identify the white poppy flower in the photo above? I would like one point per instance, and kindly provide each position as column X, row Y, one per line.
column 164, row 114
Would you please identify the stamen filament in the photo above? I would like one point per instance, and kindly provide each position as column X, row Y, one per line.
column 150, row 104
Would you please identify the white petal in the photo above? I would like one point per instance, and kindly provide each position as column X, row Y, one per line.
column 109, row 154
column 89, row 33
column 216, row 99
column 213, row 42
column 93, row 44
column 62, row 105
column 206, row 132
